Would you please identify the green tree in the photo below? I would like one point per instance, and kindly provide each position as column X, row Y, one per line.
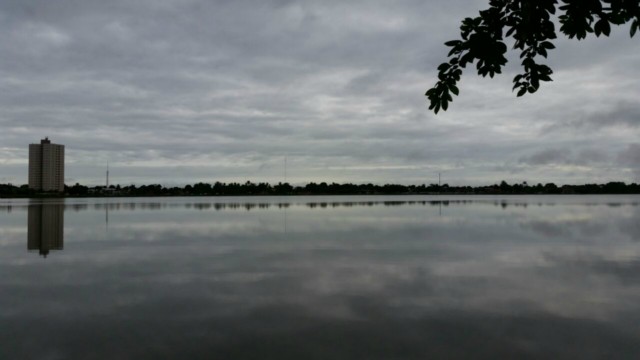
column 531, row 25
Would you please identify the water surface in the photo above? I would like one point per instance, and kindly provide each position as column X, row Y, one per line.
column 321, row 278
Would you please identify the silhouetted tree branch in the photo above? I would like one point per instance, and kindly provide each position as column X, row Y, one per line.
column 530, row 24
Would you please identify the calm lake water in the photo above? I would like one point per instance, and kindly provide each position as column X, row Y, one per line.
column 422, row 277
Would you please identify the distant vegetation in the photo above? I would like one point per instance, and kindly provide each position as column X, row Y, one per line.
column 249, row 188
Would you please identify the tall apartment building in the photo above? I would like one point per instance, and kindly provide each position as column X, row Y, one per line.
column 46, row 166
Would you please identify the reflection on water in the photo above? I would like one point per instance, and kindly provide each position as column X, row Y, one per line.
column 116, row 204
column 46, row 228
column 323, row 278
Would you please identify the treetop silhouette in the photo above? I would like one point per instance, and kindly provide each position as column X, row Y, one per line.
column 530, row 24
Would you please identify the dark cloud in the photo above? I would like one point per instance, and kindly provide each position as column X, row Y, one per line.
column 563, row 156
column 630, row 156
column 626, row 113
column 545, row 157
column 620, row 113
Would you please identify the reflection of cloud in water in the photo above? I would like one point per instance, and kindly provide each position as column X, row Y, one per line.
column 366, row 281
column 631, row 225
column 622, row 264
column 281, row 316
column 591, row 228
column 548, row 229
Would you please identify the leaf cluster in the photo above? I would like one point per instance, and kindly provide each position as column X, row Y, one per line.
column 530, row 24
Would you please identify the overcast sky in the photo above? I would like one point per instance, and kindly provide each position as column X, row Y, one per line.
column 177, row 92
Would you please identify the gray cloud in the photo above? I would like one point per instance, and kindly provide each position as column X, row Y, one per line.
column 630, row 156
column 549, row 156
column 152, row 85
column 630, row 159
column 620, row 113
column 560, row 156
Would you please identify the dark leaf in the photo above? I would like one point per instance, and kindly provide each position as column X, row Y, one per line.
column 466, row 58
column 454, row 89
column 444, row 67
column 542, row 52
column 501, row 47
column 535, row 82
column 547, row 45
column 605, row 26
column 544, row 77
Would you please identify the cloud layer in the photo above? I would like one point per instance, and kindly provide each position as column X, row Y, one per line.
column 178, row 92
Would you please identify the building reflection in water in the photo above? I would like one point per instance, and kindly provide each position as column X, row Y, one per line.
column 46, row 228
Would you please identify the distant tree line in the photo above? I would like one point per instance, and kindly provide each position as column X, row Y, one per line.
column 323, row 188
